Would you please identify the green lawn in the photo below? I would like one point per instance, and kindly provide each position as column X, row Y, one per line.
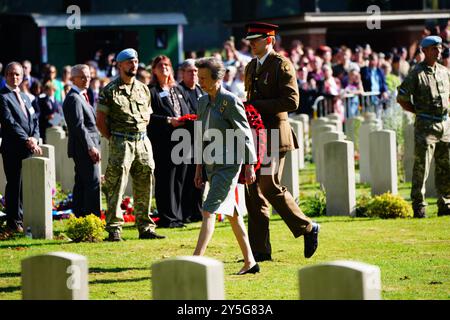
column 414, row 256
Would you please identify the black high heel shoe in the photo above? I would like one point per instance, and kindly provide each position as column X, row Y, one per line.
column 253, row 270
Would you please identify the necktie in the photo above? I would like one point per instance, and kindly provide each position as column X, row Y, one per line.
column 22, row 104
column 86, row 97
column 258, row 66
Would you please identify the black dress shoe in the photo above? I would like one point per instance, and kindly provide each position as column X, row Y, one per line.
column 419, row 212
column 114, row 236
column 150, row 235
column 443, row 212
column 311, row 240
column 253, row 270
column 260, row 257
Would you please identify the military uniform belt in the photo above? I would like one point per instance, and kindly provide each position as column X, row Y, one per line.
column 135, row 136
column 425, row 116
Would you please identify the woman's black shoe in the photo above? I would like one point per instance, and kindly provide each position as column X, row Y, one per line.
column 253, row 270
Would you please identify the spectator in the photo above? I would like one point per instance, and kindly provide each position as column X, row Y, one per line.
column 144, row 76
column 83, row 144
column 238, row 87
column 47, row 107
column 418, row 57
column 230, row 73
column 110, row 68
column 355, row 87
column 36, row 89
column 20, row 136
column 65, row 79
column 403, row 64
column 192, row 197
column 24, row 87
column 332, row 87
column 392, row 80
column 27, row 67
column 50, row 75
column 168, row 102
column 308, row 91
column 446, row 57
column 372, row 77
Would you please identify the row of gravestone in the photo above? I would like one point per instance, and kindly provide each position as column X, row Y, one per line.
column 64, row 276
column 335, row 162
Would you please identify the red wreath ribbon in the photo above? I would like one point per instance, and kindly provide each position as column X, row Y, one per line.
column 188, row 117
column 256, row 123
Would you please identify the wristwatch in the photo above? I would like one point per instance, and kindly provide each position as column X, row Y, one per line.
column 169, row 119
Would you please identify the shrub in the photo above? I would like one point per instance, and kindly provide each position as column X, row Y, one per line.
column 315, row 206
column 362, row 203
column 388, row 205
column 85, row 229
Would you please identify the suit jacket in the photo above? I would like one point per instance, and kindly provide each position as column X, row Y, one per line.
column 191, row 94
column 16, row 127
column 227, row 112
column 273, row 91
column 159, row 131
column 81, row 123
column 367, row 81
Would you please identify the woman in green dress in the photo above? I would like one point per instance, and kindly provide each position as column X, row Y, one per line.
column 219, row 114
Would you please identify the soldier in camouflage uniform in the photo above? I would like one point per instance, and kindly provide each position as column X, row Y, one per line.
column 123, row 114
column 429, row 85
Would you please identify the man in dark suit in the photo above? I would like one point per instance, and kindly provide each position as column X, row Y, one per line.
column 26, row 65
column 271, row 87
column 47, row 107
column 20, row 135
column 372, row 76
column 191, row 197
column 83, row 144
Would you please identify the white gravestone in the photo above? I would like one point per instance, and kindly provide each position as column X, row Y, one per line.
column 408, row 152
column 55, row 276
column 364, row 149
column 340, row 280
column 324, row 138
column 383, row 162
column 188, row 278
column 48, row 151
column 430, row 185
column 290, row 175
column 315, row 123
column 37, row 197
column 297, row 126
column 304, row 118
column 340, row 178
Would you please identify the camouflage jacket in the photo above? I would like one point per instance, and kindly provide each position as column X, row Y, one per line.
column 429, row 88
column 128, row 107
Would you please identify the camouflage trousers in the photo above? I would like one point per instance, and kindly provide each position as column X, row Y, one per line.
column 431, row 139
column 126, row 158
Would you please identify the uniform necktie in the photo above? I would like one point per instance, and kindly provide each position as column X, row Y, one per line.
column 258, row 66
column 86, row 97
column 22, row 104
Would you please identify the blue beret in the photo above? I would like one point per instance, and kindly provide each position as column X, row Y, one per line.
column 430, row 41
column 126, row 54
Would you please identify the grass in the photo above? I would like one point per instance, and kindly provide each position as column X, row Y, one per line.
column 413, row 255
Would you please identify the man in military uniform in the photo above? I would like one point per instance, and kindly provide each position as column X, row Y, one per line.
column 123, row 114
column 429, row 86
column 272, row 89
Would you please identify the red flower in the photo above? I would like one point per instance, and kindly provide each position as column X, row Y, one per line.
column 188, row 117
column 256, row 124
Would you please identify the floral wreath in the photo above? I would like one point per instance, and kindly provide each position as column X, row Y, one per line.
column 259, row 135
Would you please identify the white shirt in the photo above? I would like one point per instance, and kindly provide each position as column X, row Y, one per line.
column 81, row 92
column 261, row 61
column 11, row 88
